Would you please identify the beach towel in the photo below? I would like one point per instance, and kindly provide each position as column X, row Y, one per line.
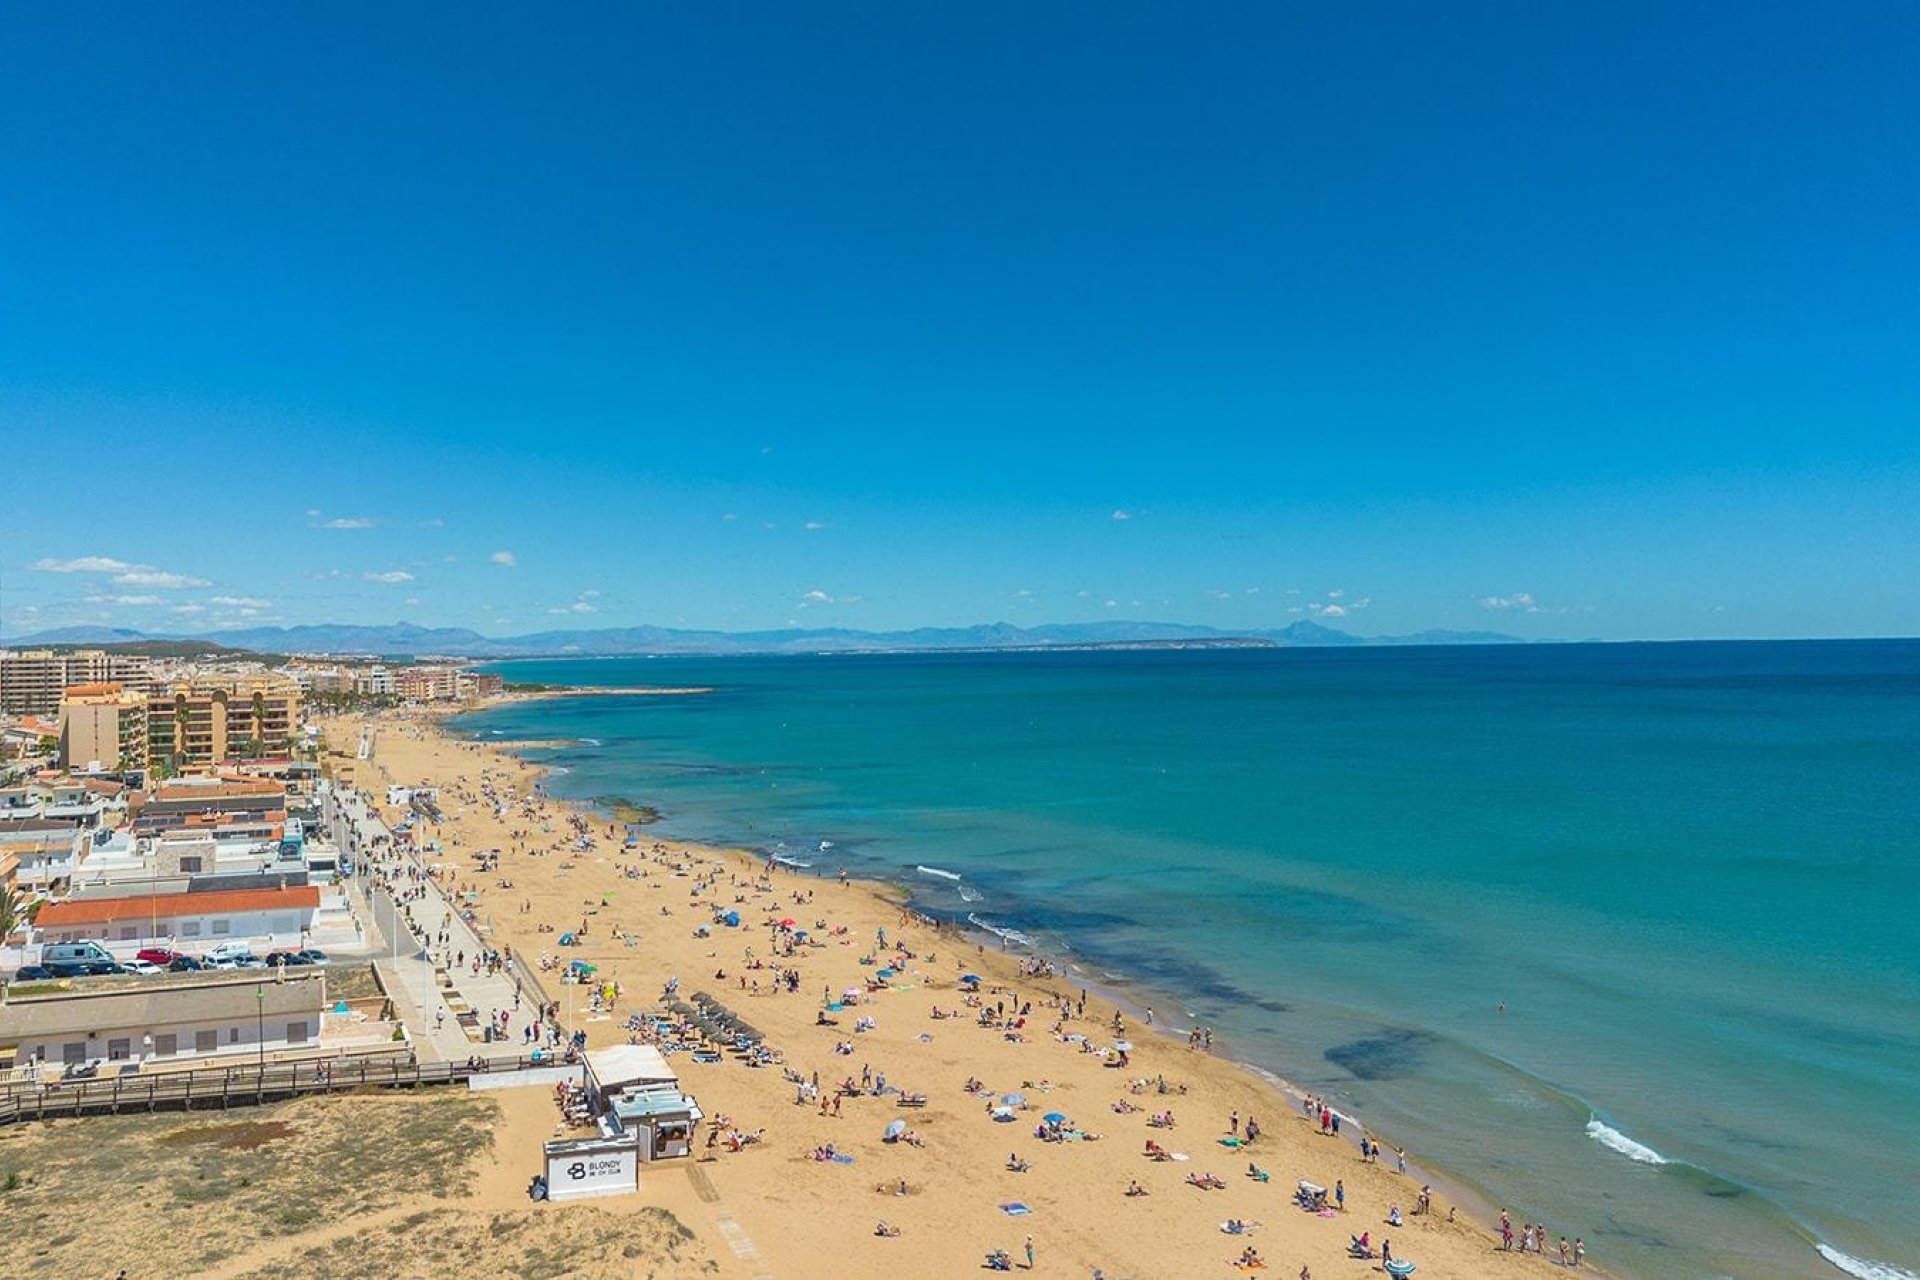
column 839, row 1159
column 1230, row 1142
column 1015, row 1209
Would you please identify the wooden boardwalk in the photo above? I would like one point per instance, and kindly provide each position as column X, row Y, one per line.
column 238, row 1086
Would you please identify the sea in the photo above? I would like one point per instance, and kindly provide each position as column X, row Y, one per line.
column 1621, row 938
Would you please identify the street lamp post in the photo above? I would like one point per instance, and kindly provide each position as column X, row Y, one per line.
column 260, row 1033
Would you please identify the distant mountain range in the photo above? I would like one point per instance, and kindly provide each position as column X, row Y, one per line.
column 404, row 639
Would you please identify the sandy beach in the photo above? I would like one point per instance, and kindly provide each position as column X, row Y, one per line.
column 649, row 915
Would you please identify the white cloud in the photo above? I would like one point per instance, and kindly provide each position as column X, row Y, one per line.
column 813, row 526
column 313, row 513
column 412, row 600
column 1520, row 601
column 729, row 516
column 818, row 597
column 1332, row 611
column 505, row 559
column 349, row 522
column 1112, row 604
column 1023, row 594
column 241, row 602
column 1335, row 594
column 435, row 523
column 127, row 600
column 188, row 608
column 1253, row 591
column 1221, row 595
column 590, row 595
column 157, row 578
column 84, row 564
column 1122, row 515
column 391, row 576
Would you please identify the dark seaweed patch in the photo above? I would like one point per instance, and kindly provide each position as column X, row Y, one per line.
column 1382, row 1057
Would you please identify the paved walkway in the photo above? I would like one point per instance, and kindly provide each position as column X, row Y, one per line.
column 404, row 961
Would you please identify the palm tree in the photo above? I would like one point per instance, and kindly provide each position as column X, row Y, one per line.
column 13, row 911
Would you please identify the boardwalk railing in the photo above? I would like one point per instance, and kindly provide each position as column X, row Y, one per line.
column 239, row 1085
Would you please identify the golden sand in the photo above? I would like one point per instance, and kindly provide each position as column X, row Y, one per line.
column 786, row 1214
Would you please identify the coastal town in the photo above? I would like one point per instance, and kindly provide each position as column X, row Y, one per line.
column 246, row 884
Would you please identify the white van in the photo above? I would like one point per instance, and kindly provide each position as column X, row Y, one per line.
column 75, row 953
column 230, row 955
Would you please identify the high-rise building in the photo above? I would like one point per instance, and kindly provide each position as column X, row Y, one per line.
column 32, row 681
column 104, row 724
column 201, row 722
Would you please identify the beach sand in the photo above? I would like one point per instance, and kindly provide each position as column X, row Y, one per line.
column 785, row 1214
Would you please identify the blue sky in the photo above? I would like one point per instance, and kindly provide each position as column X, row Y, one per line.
column 1562, row 320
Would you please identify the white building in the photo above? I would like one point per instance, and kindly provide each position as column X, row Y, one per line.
column 268, row 917
column 207, row 1017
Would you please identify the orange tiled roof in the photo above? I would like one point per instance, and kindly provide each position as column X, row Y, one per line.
column 218, row 902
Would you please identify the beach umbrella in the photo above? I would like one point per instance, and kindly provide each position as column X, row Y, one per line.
column 788, row 922
column 1003, row 1114
column 895, row 1129
column 969, row 977
column 1014, row 1099
column 1054, row 1117
column 885, row 973
column 1123, row 1046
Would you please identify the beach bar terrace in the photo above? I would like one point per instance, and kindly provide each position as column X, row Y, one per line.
column 638, row 1093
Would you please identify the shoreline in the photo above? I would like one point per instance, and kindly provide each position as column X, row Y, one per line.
column 1474, row 1205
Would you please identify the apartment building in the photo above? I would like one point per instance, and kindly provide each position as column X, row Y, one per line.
column 32, row 681
column 103, row 725
column 427, row 684
column 202, row 722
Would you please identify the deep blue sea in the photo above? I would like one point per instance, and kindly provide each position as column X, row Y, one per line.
column 1688, row 872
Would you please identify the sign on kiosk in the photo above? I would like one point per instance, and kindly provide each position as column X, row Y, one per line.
column 592, row 1167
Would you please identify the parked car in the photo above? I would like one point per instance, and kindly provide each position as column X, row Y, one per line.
column 68, row 968
column 140, row 966
column 314, row 955
column 33, row 973
column 101, row 968
column 185, row 964
column 162, row 956
column 286, row 959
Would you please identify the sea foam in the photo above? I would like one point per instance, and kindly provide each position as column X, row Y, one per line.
column 1862, row 1268
column 937, row 871
column 1612, row 1138
column 1000, row 931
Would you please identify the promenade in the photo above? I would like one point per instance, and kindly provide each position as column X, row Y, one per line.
column 425, row 952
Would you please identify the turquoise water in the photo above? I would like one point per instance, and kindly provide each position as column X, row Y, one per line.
column 1687, row 871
